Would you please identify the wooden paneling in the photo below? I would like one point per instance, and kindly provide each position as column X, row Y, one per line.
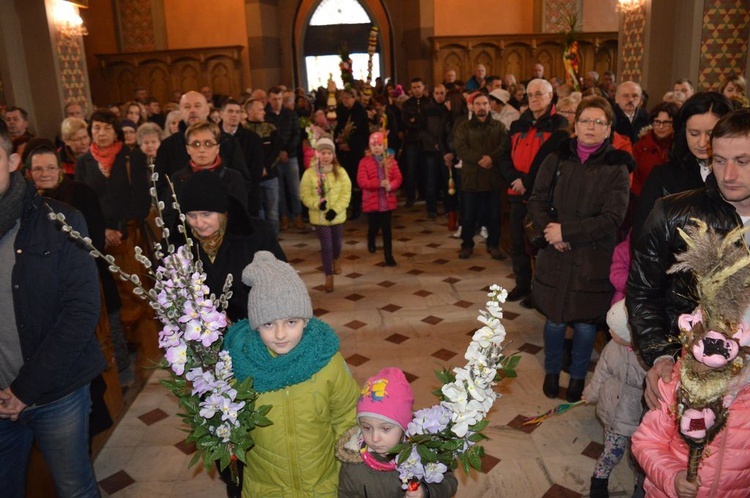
column 164, row 72
column 517, row 54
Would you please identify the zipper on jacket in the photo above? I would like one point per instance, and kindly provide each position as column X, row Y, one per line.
column 292, row 444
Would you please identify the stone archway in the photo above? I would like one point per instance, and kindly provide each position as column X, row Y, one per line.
column 377, row 12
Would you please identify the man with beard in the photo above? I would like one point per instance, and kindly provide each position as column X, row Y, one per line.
column 352, row 132
column 478, row 141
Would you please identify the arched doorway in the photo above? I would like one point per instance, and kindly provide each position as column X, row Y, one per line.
column 321, row 27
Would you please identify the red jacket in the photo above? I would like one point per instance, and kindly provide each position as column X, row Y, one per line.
column 648, row 152
column 369, row 175
column 725, row 468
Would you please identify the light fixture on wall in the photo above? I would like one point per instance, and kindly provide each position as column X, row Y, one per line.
column 626, row 6
column 69, row 24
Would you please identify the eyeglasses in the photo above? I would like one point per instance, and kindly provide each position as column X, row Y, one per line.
column 596, row 122
column 207, row 144
column 660, row 123
column 537, row 95
column 45, row 169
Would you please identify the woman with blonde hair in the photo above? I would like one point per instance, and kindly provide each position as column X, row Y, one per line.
column 76, row 142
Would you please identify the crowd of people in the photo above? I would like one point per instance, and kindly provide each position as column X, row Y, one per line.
column 582, row 175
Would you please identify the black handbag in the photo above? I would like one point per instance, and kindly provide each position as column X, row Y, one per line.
column 536, row 238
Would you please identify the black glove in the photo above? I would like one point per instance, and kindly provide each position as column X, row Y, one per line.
column 323, row 205
column 330, row 214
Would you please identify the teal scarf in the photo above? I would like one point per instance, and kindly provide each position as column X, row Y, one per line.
column 251, row 358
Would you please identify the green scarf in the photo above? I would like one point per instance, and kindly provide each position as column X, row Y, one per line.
column 251, row 358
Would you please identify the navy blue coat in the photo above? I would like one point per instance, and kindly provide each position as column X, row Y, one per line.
column 57, row 304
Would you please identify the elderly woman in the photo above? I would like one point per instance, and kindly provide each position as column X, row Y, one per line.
column 149, row 137
column 579, row 200
column 653, row 147
column 76, row 140
column 172, row 123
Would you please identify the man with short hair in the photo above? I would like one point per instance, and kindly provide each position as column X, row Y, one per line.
column 173, row 154
column 434, row 146
column 449, row 79
column 74, row 110
column 477, row 79
column 260, row 95
column 17, row 120
column 141, row 94
column 493, row 83
column 269, row 181
column 478, row 143
column 655, row 298
column 252, row 149
column 501, row 111
column 287, row 127
column 49, row 353
column 153, row 110
column 685, row 86
column 413, row 117
column 590, row 80
column 630, row 117
column 608, row 86
column 352, row 134
column 524, row 140
column 538, row 71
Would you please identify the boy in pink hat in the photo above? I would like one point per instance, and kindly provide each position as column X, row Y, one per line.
column 379, row 177
column 384, row 411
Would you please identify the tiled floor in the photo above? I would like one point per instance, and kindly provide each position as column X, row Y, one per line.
column 418, row 316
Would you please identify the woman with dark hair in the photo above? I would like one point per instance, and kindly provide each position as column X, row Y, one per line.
column 653, row 147
column 688, row 164
column 578, row 202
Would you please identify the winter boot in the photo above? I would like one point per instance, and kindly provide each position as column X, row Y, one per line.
column 284, row 223
column 599, row 488
column 337, row 267
column 329, row 283
column 298, row 223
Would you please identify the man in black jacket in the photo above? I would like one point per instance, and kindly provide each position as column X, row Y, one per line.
column 413, row 117
column 352, row 133
column 655, row 299
column 630, row 116
column 49, row 353
column 252, row 149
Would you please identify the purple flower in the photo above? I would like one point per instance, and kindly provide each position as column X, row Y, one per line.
column 230, row 410
column 202, row 381
column 169, row 336
column 434, row 472
column 211, row 405
column 193, row 330
column 429, row 420
column 177, row 357
column 411, row 469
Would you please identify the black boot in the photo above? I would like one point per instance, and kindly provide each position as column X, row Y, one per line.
column 389, row 261
column 599, row 488
column 575, row 390
column 551, row 385
column 371, row 247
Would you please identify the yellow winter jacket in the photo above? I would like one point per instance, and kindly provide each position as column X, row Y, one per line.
column 337, row 193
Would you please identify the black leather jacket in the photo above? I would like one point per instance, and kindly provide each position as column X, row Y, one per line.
column 655, row 299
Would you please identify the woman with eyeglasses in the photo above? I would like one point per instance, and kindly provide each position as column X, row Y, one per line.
column 202, row 142
column 653, row 147
column 76, row 140
column 688, row 164
column 578, row 202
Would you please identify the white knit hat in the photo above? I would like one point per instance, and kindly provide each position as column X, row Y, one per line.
column 617, row 320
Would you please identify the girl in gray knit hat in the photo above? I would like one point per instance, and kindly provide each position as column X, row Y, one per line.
column 297, row 368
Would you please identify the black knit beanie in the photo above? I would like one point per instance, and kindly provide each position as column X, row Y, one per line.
column 204, row 191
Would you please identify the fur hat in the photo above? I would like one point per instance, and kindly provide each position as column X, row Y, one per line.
column 325, row 142
column 277, row 292
column 387, row 396
column 204, row 191
column 617, row 320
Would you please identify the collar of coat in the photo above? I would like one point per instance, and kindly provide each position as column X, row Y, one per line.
column 251, row 358
column 606, row 155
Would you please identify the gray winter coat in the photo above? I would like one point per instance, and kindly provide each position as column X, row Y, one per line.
column 617, row 389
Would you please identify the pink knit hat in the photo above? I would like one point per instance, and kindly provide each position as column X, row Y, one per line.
column 377, row 138
column 387, row 396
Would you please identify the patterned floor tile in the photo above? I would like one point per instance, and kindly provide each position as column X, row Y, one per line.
column 432, row 320
column 301, row 244
column 185, row 447
column 444, row 354
column 557, row 491
column 408, row 254
column 477, row 269
column 396, row 338
column 295, row 261
column 390, row 308
column 352, row 257
column 463, row 304
column 353, row 274
column 441, row 261
column 352, row 242
column 509, row 315
column 451, row 280
column 318, row 312
column 404, row 239
column 433, row 245
column 386, row 284
column 116, row 482
column 593, row 450
column 488, row 463
column 354, row 297
column 357, row 360
column 355, row 324
column 410, row 377
column 517, row 423
column 154, row 416
column 423, row 293
column 530, row 348
column 415, row 272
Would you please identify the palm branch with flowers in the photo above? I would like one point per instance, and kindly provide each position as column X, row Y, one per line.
column 445, row 435
column 219, row 411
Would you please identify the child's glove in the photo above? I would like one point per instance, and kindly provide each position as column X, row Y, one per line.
column 323, row 205
column 330, row 214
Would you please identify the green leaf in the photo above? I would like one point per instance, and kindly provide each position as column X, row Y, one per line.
column 475, row 461
column 426, row 455
column 476, row 437
column 404, row 455
column 479, row 426
column 512, row 361
column 464, row 462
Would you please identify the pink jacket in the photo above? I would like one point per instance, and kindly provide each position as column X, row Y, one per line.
column 618, row 271
column 369, row 175
column 661, row 451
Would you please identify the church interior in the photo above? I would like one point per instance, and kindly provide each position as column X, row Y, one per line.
column 420, row 315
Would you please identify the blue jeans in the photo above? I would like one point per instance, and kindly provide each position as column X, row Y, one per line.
column 62, row 430
column 289, row 202
column 269, row 202
column 583, row 344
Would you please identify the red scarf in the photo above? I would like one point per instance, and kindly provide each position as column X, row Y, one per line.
column 106, row 157
column 210, row 167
